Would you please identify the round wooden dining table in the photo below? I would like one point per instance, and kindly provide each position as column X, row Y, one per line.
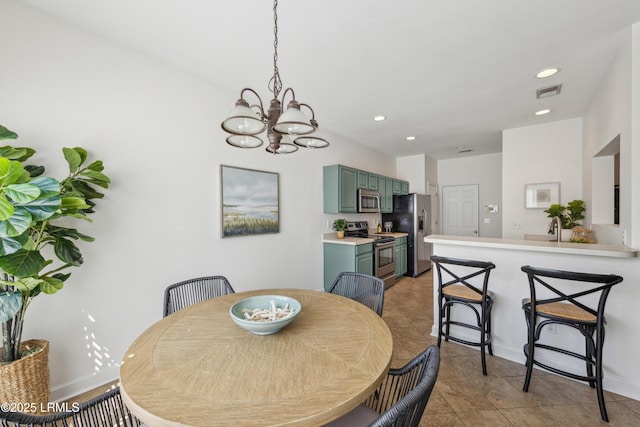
column 196, row 367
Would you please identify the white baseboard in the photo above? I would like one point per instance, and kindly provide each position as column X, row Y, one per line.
column 74, row 388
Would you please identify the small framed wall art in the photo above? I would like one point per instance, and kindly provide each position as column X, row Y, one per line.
column 541, row 196
column 250, row 202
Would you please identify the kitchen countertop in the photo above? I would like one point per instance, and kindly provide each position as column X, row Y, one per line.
column 618, row 251
column 331, row 238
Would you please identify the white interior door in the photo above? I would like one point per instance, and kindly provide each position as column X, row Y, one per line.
column 460, row 210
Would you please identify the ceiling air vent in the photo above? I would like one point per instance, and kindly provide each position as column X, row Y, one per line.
column 546, row 92
column 463, row 150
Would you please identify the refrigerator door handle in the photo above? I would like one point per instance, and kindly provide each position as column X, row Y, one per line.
column 421, row 220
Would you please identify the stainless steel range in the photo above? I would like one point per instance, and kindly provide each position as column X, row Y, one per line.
column 384, row 253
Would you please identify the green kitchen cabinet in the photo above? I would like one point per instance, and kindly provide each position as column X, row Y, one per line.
column 388, row 196
column 401, row 256
column 397, row 186
column 363, row 179
column 373, row 181
column 339, row 187
column 405, row 187
column 400, row 187
column 340, row 257
column 385, row 188
column 367, row 180
column 341, row 183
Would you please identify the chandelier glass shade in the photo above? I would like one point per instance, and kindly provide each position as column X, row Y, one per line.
column 246, row 122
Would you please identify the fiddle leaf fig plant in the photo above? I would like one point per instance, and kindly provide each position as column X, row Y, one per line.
column 36, row 242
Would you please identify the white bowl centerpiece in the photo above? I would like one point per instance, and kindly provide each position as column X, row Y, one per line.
column 265, row 314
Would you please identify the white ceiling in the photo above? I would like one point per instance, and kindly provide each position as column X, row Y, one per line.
column 451, row 72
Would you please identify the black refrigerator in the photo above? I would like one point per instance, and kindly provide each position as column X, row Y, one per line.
column 412, row 215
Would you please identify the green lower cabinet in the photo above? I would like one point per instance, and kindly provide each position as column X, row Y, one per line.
column 340, row 257
column 401, row 256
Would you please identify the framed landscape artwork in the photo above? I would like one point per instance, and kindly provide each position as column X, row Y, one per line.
column 541, row 196
column 250, row 202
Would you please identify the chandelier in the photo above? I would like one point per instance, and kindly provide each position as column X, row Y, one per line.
column 246, row 122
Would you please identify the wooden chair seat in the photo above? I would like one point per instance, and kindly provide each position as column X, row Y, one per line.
column 564, row 310
column 461, row 291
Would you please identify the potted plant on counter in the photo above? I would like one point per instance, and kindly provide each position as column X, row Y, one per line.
column 36, row 247
column 340, row 225
column 570, row 216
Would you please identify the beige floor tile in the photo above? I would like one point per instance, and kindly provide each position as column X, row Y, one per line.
column 441, row 420
column 486, row 418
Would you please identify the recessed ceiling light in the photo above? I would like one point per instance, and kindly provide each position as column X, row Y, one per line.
column 542, row 112
column 411, row 138
column 379, row 118
column 547, row 72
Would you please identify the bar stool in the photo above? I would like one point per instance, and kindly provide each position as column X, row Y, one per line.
column 560, row 305
column 455, row 288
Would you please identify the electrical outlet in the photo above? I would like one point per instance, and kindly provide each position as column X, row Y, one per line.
column 516, row 224
column 329, row 224
column 551, row 328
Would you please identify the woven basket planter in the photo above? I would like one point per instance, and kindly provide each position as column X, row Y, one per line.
column 26, row 380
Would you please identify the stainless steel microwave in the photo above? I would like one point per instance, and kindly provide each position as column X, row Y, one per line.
column 368, row 201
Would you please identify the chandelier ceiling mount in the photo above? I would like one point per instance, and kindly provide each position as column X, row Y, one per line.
column 246, row 121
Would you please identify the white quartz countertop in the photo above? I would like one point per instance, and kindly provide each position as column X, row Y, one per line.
column 619, row 251
column 331, row 238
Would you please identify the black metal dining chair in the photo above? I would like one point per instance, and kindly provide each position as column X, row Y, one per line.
column 402, row 397
column 456, row 287
column 105, row 410
column 192, row 291
column 557, row 297
column 368, row 290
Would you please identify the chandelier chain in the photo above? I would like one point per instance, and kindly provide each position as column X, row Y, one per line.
column 275, row 84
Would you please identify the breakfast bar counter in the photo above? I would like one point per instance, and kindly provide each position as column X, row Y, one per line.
column 510, row 285
column 618, row 251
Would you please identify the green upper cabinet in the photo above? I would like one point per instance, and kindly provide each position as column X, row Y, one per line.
column 400, row 187
column 363, row 179
column 367, row 180
column 341, row 184
column 397, row 186
column 373, row 181
column 340, row 189
column 405, row 187
column 382, row 190
column 387, row 205
column 385, row 187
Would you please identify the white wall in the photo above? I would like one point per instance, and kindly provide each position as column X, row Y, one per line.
column 414, row 170
column 536, row 154
column 157, row 129
column 486, row 171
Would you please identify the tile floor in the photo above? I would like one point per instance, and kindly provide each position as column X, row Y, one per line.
column 464, row 397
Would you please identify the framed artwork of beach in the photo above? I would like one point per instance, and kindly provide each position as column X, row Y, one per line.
column 250, row 202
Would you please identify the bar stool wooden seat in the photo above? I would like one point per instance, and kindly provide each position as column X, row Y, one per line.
column 455, row 287
column 557, row 297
